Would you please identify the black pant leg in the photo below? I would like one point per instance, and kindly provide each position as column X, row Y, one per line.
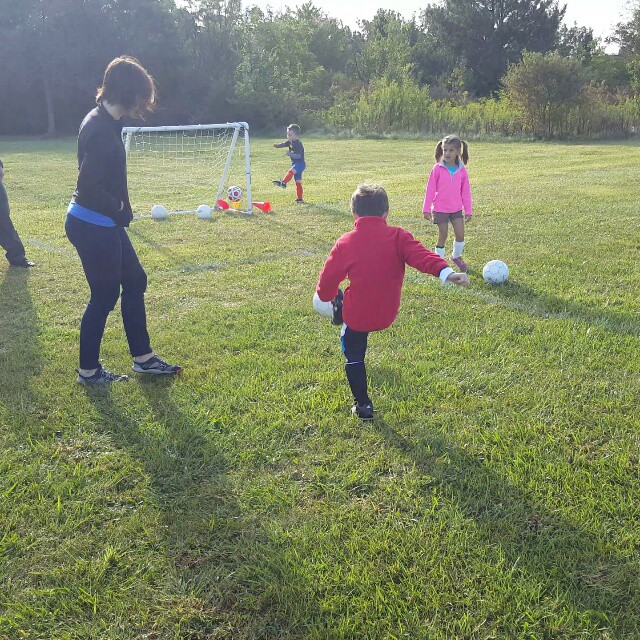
column 9, row 238
column 100, row 252
column 134, row 284
column 354, row 347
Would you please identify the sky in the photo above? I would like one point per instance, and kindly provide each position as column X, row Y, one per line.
column 600, row 15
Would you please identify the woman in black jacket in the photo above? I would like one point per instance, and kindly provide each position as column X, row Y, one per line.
column 96, row 220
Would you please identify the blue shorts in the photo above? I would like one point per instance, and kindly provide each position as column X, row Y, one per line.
column 299, row 168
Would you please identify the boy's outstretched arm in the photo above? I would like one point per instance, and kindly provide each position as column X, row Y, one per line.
column 461, row 279
column 332, row 274
column 416, row 255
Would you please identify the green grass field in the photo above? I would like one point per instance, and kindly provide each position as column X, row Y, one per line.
column 497, row 494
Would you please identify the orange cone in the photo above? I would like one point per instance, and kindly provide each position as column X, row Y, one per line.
column 263, row 206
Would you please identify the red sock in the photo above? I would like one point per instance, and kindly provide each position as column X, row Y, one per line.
column 288, row 177
column 299, row 190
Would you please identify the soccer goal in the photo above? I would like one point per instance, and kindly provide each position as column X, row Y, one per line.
column 182, row 167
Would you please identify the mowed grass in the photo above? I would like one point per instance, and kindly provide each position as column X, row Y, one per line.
column 497, row 494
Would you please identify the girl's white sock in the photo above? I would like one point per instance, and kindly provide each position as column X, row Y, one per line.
column 440, row 251
column 457, row 248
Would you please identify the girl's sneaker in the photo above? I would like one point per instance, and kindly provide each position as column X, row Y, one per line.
column 101, row 376
column 461, row 265
column 280, row 183
column 156, row 366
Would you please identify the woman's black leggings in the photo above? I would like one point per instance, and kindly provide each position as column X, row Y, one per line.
column 110, row 264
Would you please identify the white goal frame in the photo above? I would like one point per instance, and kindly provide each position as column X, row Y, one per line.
column 238, row 127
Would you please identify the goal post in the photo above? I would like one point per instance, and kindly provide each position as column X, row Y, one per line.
column 181, row 167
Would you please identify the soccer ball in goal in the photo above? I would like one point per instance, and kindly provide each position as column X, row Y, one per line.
column 184, row 166
column 234, row 194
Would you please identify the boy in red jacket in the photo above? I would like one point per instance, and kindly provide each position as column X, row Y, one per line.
column 373, row 257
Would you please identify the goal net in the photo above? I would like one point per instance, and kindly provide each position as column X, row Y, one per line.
column 184, row 167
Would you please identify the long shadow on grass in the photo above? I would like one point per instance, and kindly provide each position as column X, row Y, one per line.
column 568, row 561
column 20, row 355
column 140, row 235
column 544, row 304
column 232, row 569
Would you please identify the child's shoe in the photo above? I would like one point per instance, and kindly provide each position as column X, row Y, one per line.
column 336, row 303
column 280, row 183
column 299, row 201
column 156, row 366
column 363, row 411
column 461, row 265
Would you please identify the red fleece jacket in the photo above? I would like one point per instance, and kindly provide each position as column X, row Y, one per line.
column 373, row 257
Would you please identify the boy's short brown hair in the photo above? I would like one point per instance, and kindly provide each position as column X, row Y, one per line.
column 295, row 128
column 129, row 85
column 369, row 200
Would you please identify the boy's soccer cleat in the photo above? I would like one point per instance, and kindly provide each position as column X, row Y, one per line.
column 461, row 265
column 101, row 376
column 363, row 411
column 299, row 201
column 280, row 183
column 156, row 366
column 336, row 303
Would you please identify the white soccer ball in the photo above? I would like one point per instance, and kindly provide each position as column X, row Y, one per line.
column 159, row 212
column 204, row 212
column 323, row 308
column 234, row 194
column 495, row 272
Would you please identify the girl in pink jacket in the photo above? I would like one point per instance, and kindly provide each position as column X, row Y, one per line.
column 448, row 196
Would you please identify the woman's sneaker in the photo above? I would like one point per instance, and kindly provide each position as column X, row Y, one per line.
column 101, row 376
column 461, row 265
column 156, row 366
column 363, row 411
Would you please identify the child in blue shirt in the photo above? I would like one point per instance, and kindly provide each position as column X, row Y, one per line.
column 298, row 165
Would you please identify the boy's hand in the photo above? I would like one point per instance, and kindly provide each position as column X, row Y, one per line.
column 275, row 144
column 427, row 215
column 467, row 217
column 460, row 279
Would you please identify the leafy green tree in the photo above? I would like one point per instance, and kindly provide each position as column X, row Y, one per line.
column 627, row 36
column 385, row 47
column 54, row 52
column 485, row 36
column 579, row 43
column 279, row 77
column 545, row 87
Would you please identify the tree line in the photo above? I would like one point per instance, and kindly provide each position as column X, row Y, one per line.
column 505, row 67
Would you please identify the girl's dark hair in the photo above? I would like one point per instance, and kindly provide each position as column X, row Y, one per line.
column 129, row 85
column 460, row 145
column 295, row 128
column 369, row 200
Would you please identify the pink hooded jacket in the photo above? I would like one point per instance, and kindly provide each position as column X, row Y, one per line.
column 448, row 193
